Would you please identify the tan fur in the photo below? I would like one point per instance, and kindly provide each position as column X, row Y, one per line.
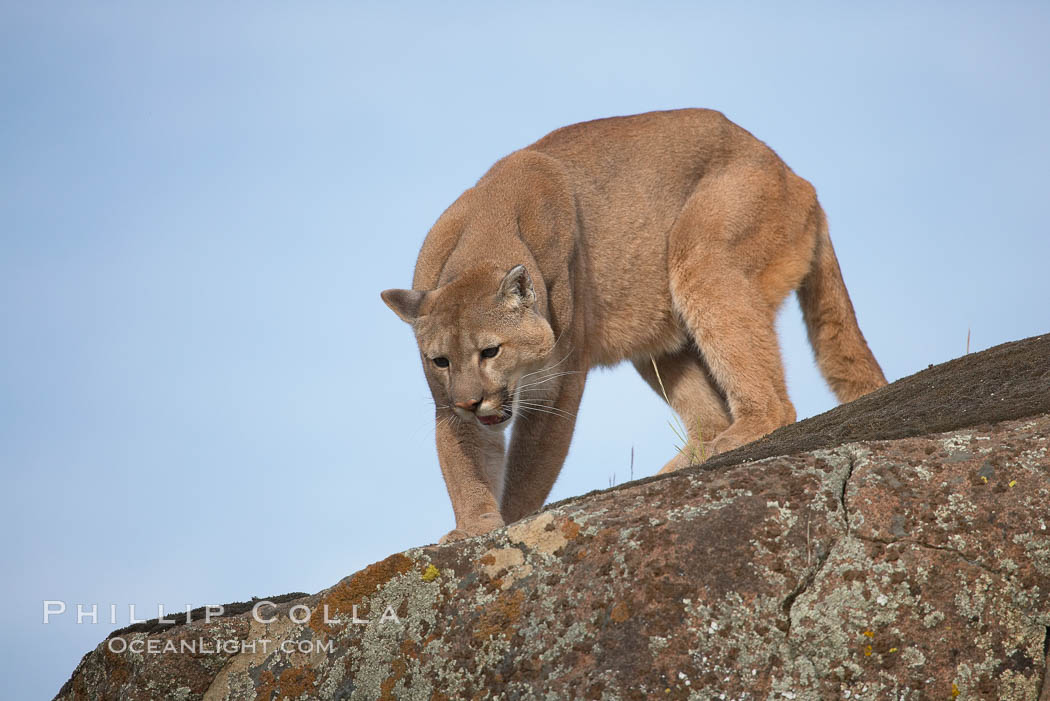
column 667, row 236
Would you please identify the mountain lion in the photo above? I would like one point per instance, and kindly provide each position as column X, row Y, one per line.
column 668, row 239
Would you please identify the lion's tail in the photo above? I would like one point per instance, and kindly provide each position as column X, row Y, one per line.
column 841, row 351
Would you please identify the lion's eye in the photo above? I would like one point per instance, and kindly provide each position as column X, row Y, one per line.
column 490, row 352
column 441, row 361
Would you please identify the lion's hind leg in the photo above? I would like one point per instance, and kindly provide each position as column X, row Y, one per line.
column 731, row 262
column 683, row 381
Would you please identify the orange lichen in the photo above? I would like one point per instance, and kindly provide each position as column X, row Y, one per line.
column 291, row 683
column 295, row 682
column 499, row 616
column 570, row 529
column 342, row 598
column 409, row 648
column 266, row 685
column 386, row 689
column 620, row 613
column 116, row 667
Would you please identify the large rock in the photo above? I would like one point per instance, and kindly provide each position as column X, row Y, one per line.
column 872, row 559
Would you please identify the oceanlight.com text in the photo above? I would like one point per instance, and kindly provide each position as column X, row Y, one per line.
column 212, row 646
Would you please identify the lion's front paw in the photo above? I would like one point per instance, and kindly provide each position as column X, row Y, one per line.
column 481, row 525
column 453, row 535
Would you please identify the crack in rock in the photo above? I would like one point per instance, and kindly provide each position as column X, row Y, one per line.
column 803, row 585
column 811, row 575
column 931, row 546
column 812, row 572
column 845, row 483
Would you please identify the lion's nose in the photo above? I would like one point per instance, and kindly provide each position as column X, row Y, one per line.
column 470, row 404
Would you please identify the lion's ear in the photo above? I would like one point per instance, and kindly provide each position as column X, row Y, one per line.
column 516, row 288
column 405, row 303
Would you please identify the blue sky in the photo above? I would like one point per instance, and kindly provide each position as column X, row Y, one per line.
column 202, row 397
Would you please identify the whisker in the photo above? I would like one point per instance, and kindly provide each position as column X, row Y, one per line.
column 551, row 367
column 531, row 385
column 557, row 341
column 542, row 408
column 551, row 413
column 548, row 409
column 535, row 402
column 548, row 378
column 560, row 373
column 538, row 394
column 543, row 370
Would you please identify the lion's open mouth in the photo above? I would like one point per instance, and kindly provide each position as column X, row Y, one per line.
column 494, row 419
